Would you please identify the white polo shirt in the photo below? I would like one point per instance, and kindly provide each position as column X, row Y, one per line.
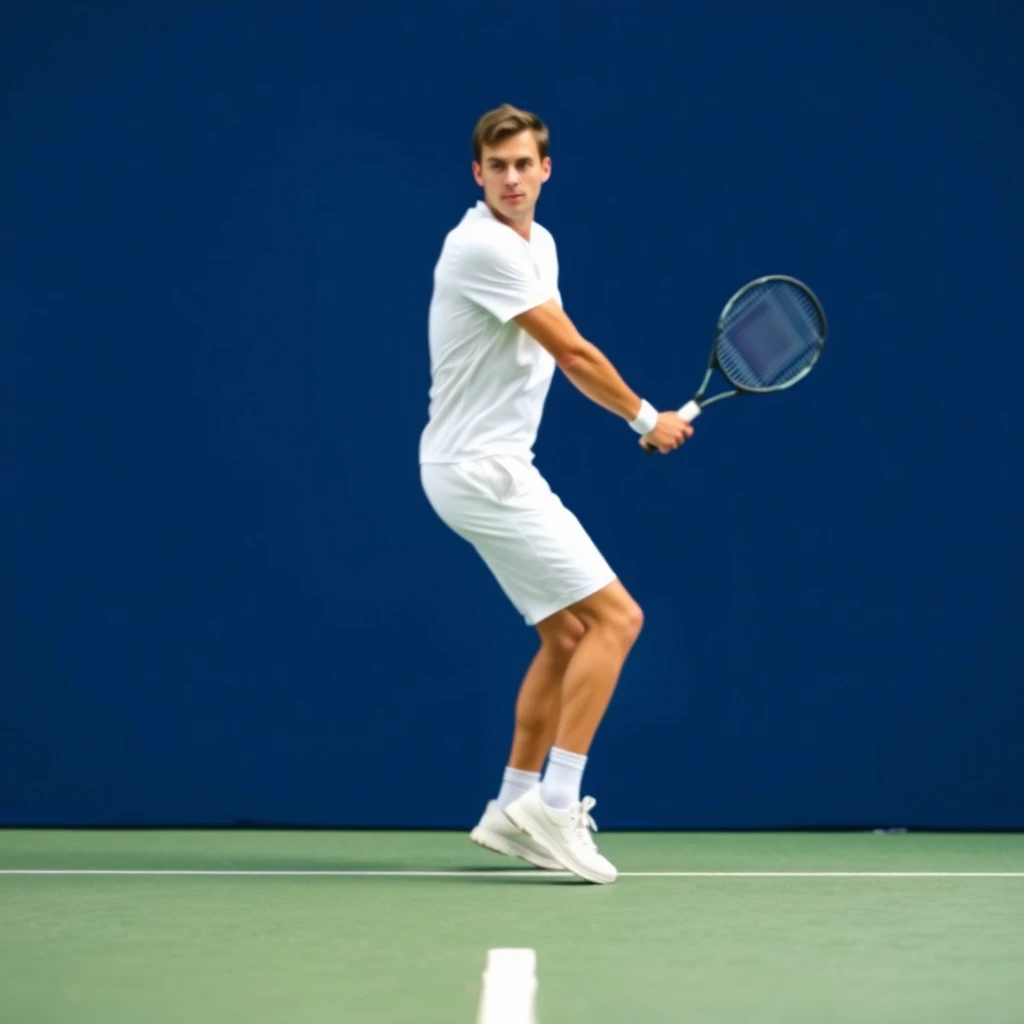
column 489, row 378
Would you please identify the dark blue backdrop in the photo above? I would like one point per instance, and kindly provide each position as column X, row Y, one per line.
column 224, row 595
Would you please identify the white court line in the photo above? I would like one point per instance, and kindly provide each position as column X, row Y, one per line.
column 509, row 994
column 507, row 873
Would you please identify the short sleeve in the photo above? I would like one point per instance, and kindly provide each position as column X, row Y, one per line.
column 498, row 274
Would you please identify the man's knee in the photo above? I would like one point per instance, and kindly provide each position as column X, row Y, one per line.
column 561, row 636
column 631, row 620
column 614, row 610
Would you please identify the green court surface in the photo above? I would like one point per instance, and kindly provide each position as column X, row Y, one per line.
column 267, row 927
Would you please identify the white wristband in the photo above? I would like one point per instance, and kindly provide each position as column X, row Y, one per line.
column 646, row 419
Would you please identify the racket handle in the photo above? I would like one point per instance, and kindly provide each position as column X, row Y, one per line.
column 689, row 412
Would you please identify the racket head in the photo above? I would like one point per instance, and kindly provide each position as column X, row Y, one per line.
column 770, row 334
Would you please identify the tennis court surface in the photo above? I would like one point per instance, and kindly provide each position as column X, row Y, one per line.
column 275, row 926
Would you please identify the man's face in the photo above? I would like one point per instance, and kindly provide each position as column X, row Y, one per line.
column 511, row 173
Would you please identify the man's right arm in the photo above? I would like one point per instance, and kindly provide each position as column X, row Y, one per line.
column 591, row 372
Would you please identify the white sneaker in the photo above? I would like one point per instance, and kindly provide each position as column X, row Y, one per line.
column 495, row 832
column 565, row 835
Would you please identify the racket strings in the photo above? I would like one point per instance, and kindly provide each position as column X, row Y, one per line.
column 770, row 337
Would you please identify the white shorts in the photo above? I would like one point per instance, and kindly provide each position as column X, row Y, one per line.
column 536, row 548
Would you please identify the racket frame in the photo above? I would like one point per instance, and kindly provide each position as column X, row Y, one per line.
column 714, row 364
column 692, row 409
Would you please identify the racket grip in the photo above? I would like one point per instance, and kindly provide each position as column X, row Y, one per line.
column 689, row 412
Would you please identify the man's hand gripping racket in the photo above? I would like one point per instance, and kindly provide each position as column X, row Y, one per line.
column 769, row 336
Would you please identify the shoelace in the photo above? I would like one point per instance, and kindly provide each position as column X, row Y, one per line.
column 583, row 823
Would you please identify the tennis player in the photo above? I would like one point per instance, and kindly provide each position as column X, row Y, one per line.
column 497, row 332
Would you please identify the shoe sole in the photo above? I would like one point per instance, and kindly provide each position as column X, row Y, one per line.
column 537, row 832
column 498, row 844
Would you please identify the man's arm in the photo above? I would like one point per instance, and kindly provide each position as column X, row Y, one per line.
column 583, row 363
column 593, row 374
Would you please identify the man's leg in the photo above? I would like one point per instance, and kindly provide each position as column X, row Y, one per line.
column 570, row 682
column 552, row 813
column 540, row 696
column 536, row 720
column 538, row 704
column 612, row 621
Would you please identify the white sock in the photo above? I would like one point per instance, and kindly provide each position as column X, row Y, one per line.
column 561, row 785
column 514, row 783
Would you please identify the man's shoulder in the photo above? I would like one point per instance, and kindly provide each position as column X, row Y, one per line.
column 542, row 233
column 480, row 234
column 479, row 243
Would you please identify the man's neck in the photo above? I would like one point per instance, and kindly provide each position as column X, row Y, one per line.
column 522, row 227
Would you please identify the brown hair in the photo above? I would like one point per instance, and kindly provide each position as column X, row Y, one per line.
column 505, row 121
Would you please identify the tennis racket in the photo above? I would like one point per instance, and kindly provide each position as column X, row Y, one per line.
column 769, row 336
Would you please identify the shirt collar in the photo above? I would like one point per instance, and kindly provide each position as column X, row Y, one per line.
column 481, row 211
